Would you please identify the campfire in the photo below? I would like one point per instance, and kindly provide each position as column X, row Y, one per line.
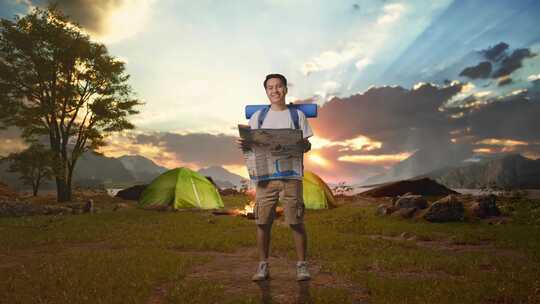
column 247, row 211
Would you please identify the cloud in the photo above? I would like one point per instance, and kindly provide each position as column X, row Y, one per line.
column 362, row 63
column 496, row 52
column 481, row 70
column 510, row 117
column 392, row 12
column 330, row 59
column 11, row 141
column 358, row 48
column 513, row 62
column 400, row 119
column 106, row 20
column 505, row 80
column 202, row 149
column 533, row 78
column 499, row 61
column 328, row 91
column 379, row 159
column 359, row 143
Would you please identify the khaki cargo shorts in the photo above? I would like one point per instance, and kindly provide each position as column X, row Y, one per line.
column 268, row 195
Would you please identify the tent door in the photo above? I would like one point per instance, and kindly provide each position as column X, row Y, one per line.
column 196, row 192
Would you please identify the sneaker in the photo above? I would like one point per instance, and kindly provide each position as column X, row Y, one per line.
column 302, row 273
column 262, row 272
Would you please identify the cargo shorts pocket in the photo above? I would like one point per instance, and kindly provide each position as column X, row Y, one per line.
column 256, row 211
column 300, row 207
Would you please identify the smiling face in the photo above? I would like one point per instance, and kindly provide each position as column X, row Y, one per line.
column 276, row 91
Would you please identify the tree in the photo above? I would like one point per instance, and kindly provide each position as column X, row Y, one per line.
column 56, row 82
column 34, row 164
column 342, row 188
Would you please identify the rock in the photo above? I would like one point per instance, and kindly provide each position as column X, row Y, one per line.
column 131, row 193
column 228, row 191
column 89, row 206
column 500, row 220
column 120, row 206
column 16, row 209
column 422, row 186
column 77, row 211
column 405, row 235
column 7, row 193
column 383, row 209
column 447, row 209
column 405, row 212
column 412, row 201
column 485, row 206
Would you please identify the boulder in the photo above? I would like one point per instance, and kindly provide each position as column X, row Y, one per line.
column 228, row 191
column 89, row 206
column 15, row 209
column 447, row 209
column 405, row 212
column 485, row 206
column 121, row 206
column 383, row 209
column 6, row 193
column 422, row 186
column 411, row 201
column 131, row 193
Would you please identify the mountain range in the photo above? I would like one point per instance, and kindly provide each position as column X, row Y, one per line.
column 222, row 177
column 511, row 171
column 423, row 161
column 93, row 170
column 507, row 171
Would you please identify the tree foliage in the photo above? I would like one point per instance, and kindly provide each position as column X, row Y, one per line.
column 56, row 82
column 33, row 164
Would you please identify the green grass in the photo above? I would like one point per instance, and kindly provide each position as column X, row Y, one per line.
column 120, row 257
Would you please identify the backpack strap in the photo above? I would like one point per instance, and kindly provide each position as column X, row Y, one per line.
column 293, row 111
column 262, row 116
column 294, row 116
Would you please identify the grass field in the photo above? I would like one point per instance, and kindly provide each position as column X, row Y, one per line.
column 138, row 256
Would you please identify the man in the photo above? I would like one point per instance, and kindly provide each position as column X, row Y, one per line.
column 268, row 192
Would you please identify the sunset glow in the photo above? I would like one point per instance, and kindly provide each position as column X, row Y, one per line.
column 375, row 159
column 502, row 142
column 318, row 160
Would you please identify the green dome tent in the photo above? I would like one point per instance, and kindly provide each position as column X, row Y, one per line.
column 181, row 188
column 317, row 194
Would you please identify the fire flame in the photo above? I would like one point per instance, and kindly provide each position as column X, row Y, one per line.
column 248, row 208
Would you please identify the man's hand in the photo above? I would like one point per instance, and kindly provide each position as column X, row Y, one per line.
column 306, row 145
column 242, row 144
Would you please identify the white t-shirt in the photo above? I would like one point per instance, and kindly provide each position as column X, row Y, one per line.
column 281, row 120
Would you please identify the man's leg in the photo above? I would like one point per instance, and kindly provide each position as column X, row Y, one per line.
column 294, row 215
column 300, row 240
column 266, row 196
column 263, row 241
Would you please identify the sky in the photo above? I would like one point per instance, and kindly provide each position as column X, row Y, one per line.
column 391, row 78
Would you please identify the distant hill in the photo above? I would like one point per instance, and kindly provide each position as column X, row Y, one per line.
column 222, row 177
column 91, row 166
column 423, row 161
column 94, row 169
column 142, row 168
column 421, row 186
column 512, row 171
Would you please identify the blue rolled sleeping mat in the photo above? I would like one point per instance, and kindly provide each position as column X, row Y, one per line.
column 309, row 109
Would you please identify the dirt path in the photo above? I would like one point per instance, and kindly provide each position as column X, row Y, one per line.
column 234, row 270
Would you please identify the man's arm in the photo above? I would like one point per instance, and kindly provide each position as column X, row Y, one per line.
column 306, row 145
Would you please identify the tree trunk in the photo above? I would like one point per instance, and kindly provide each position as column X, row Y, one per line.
column 63, row 193
column 36, row 186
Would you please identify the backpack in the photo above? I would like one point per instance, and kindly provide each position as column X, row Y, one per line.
column 292, row 111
